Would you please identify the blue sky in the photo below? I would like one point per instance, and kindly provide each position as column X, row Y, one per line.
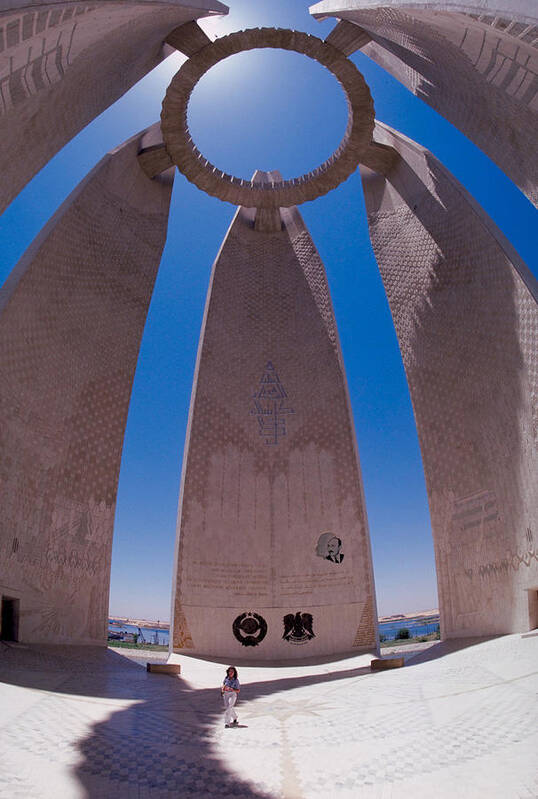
column 268, row 110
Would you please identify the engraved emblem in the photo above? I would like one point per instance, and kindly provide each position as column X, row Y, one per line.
column 249, row 628
column 298, row 628
column 270, row 406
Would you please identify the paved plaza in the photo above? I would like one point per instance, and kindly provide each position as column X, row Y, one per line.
column 459, row 720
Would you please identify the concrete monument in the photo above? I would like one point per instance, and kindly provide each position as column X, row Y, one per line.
column 476, row 63
column 273, row 557
column 71, row 318
column 62, row 64
column 464, row 308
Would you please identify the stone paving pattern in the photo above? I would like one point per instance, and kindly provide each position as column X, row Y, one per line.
column 71, row 318
column 478, row 70
column 465, row 312
column 458, row 721
column 271, row 460
column 62, row 64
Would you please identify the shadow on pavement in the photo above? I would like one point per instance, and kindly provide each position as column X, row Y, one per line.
column 154, row 735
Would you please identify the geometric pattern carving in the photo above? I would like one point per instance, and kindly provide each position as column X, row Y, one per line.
column 71, row 318
column 182, row 637
column 478, row 70
column 465, row 310
column 362, row 636
column 63, row 64
column 270, row 406
column 251, row 515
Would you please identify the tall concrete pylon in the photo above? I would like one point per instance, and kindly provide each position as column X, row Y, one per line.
column 465, row 310
column 62, row 64
column 273, row 555
column 476, row 63
column 71, row 318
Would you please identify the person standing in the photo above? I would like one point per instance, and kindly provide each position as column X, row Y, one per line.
column 229, row 692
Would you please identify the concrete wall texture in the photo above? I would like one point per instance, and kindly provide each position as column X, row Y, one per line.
column 71, row 318
column 62, row 64
column 273, row 555
column 465, row 311
column 273, row 558
column 478, row 69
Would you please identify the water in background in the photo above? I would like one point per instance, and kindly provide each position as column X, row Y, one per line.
column 389, row 629
column 150, row 634
column 416, row 627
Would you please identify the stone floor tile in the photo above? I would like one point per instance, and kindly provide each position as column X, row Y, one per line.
column 458, row 724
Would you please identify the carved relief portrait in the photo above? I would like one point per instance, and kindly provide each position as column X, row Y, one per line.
column 329, row 547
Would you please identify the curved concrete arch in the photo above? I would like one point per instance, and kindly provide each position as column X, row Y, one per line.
column 475, row 63
column 286, row 193
column 465, row 310
column 72, row 315
column 62, row 64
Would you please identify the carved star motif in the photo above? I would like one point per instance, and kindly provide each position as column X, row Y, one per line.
column 284, row 709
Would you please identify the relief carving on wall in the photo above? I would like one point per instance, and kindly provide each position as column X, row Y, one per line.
column 39, row 50
column 270, row 407
column 513, row 560
column 329, row 547
column 365, row 635
column 476, row 521
column 298, row 628
column 182, row 636
column 249, row 628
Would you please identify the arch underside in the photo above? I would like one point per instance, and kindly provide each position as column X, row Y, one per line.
column 478, row 70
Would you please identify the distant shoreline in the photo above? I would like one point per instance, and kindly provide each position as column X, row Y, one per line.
column 421, row 614
column 146, row 623
column 164, row 625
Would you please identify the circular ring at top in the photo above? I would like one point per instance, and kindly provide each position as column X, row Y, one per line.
column 285, row 193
